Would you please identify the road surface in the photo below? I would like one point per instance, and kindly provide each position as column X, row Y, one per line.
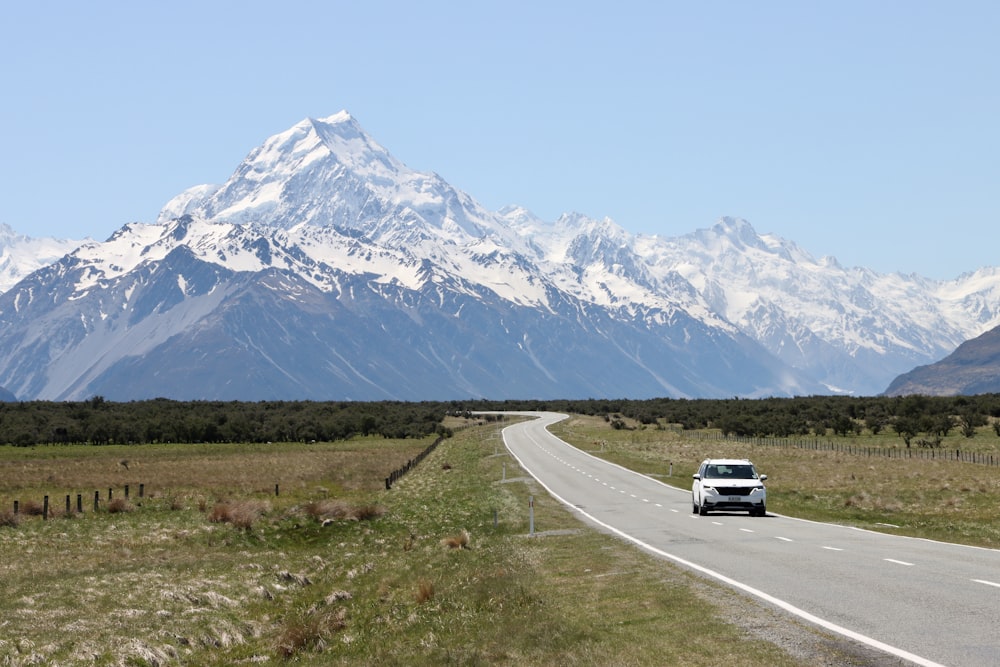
column 929, row 603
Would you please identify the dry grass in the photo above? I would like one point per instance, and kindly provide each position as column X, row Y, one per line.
column 425, row 591
column 8, row 519
column 185, row 590
column 459, row 541
column 240, row 513
column 310, row 631
column 119, row 505
column 327, row 509
column 934, row 498
column 236, row 469
column 333, row 509
column 31, row 508
column 368, row 511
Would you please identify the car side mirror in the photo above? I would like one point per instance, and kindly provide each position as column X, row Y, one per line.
column 696, row 476
column 763, row 478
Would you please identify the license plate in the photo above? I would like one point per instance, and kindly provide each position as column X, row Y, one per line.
column 735, row 499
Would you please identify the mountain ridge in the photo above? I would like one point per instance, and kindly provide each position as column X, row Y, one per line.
column 973, row 368
column 323, row 213
column 20, row 254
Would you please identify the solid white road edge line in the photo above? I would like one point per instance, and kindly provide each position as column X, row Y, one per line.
column 790, row 608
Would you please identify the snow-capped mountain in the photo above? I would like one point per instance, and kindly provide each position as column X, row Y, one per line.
column 326, row 269
column 21, row 255
column 851, row 329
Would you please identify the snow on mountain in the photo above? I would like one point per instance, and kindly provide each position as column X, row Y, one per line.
column 329, row 171
column 325, row 268
column 21, row 255
column 204, row 309
column 852, row 329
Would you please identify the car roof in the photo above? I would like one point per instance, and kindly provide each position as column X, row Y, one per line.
column 728, row 461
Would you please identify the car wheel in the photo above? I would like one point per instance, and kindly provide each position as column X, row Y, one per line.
column 702, row 510
column 760, row 511
column 694, row 507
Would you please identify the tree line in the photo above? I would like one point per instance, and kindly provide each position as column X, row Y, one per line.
column 908, row 416
column 99, row 422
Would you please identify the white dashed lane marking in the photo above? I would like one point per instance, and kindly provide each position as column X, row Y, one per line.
column 985, row 582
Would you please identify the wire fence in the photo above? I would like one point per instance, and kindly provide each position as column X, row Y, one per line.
column 396, row 474
column 924, row 453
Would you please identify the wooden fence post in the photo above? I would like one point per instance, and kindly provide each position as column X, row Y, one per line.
column 45, row 509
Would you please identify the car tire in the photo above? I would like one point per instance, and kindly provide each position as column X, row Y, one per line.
column 702, row 510
column 694, row 507
column 760, row 511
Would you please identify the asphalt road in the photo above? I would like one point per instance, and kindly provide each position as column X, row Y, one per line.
column 929, row 603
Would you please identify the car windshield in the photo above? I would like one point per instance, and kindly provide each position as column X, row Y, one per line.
column 725, row 471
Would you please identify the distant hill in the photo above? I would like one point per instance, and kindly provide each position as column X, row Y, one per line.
column 973, row 368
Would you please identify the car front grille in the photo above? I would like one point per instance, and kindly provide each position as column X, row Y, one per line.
column 734, row 490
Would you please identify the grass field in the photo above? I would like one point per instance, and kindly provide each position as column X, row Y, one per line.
column 211, row 567
column 937, row 498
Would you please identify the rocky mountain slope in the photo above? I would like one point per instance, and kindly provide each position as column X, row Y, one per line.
column 973, row 368
column 326, row 269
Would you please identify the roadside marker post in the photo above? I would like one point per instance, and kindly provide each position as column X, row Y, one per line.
column 531, row 515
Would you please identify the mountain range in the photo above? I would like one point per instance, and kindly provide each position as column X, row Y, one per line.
column 324, row 269
column 20, row 255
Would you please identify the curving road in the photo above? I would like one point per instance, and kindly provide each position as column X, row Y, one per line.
column 929, row 603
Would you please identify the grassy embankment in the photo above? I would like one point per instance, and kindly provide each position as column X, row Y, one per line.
column 211, row 568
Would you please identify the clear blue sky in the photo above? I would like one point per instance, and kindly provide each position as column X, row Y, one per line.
column 867, row 130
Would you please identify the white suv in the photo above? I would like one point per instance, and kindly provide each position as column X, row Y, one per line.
column 728, row 484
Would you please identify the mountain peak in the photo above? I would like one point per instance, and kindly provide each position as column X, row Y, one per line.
column 326, row 267
column 342, row 116
column 20, row 255
column 737, row 230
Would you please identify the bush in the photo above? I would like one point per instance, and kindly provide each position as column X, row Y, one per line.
column 32, row 508
column 9, row 519
column 460, row 541
column 311, row 630
column 241, row 514
column 323, row 510
column 329, row 510
column 119, row 505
